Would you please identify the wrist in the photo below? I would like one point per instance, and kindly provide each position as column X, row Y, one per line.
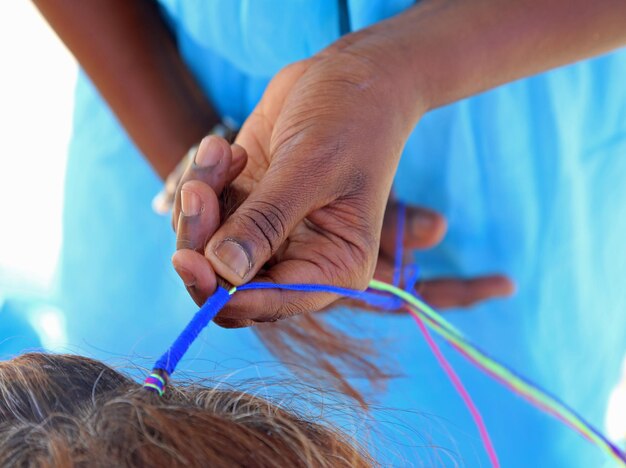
column 390, row 68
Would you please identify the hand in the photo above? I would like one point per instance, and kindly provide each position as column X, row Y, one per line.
column 199, row 194
column 321, row 159
column 424, row 229
column 323, row 145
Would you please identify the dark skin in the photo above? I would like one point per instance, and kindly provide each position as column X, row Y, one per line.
column 128, row 52
column 324, row 142
column 199, row 216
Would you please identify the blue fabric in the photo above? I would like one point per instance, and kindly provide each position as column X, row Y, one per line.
column 530, row 177
column 17, row 334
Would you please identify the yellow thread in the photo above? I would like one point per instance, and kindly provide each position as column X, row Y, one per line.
column 158, row 377
column 155, row 387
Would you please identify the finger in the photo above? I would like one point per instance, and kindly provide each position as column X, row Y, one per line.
column 260, row 225
column 196, row 272
column 446, row 293
column 384, row 270
column 211, row 165
column 423, row 228
column 199, row 216
column 163, row 202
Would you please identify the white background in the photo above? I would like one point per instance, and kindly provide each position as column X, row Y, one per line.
column 37, row 76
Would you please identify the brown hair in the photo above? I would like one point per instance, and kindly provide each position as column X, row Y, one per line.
column 324, row 354
column 64, row 410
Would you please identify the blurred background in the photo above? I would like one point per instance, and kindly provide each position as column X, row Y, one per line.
column 36, row 99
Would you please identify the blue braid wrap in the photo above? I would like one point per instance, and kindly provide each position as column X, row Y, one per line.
column 220, row 298
column 201, row 319
column 375, row 299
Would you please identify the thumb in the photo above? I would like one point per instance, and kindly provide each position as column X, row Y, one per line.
column 257, row 229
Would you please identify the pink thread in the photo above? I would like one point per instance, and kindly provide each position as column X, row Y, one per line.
column 458, row 386
column 530, row 398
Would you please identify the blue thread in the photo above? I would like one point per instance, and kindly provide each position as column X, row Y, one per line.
column 207, row 312
column 412, row 276
column 220, row 298
column 410, row 273
column 375, row 299
column 397, row 268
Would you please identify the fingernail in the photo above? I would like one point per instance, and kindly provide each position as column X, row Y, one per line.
column 421, row 223
column 210, row 152
column 190, row 203
column 188, row 278
column 234, row 256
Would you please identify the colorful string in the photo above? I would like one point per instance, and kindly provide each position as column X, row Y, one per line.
column 462, row 391
column 155, row 382
column 207, row 312
column 411, row 276
column 386, row 296
column 506, row 376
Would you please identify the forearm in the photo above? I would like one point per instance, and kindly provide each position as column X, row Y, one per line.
column 129, row 54
column 447, row 50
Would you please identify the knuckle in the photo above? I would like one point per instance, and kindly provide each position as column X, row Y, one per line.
column 268, row 221
column 184, row 243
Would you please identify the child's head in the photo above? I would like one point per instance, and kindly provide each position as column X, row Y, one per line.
column 63, row 410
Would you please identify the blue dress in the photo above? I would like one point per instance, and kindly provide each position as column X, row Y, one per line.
column 17, row 333
column 530, row 177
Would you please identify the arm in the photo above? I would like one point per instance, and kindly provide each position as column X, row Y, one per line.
column 130, row 55
column 443, row 51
